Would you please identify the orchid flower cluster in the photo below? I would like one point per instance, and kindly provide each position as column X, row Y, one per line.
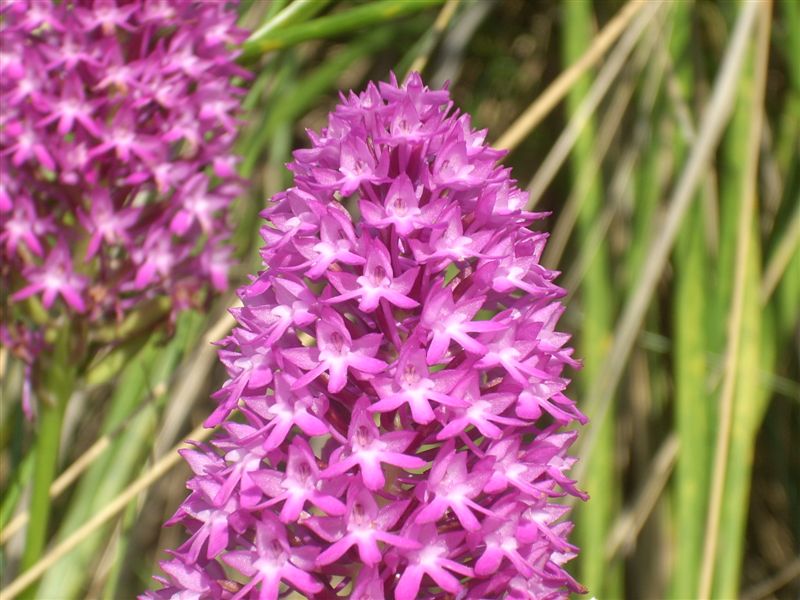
column 398, row 377
column 116, row 164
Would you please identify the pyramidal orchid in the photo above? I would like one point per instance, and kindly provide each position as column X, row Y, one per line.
column 116, row 159
column 394, row 423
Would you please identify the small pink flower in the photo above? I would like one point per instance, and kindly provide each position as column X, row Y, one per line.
column 55, row 278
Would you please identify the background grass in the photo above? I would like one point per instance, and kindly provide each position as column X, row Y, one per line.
column 693, row 464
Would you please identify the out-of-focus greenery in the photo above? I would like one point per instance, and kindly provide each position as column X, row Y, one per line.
column 720, row 333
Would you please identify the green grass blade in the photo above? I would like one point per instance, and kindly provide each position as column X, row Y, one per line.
column 693, row 406
column 57, row 384
column 757, row 353
column 12, row 494
column 372, row 14
column 297, row 12
column 593, row 522
column 742, row 401
column 119, row 464
column 120, row 548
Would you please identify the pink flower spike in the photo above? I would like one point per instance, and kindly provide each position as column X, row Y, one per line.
column 399, row 371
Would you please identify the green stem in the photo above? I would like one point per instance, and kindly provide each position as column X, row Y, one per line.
column 58, row 381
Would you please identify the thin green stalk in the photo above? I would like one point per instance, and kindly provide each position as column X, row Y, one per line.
column 594, row 524
column 121, row 545
column 297, row 12
column 275, row 7
column 789, row 11
column 692, row 403
column 417, row 57
column 102, row 482
column 750, row 401
column 11, row 495
column 741, row 407
column 252, row 145
column 58, row 381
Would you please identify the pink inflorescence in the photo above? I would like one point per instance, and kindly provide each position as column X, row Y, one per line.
column 398, row 377
column 116, row 164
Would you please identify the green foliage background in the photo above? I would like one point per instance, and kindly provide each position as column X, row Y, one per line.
column 691, row 458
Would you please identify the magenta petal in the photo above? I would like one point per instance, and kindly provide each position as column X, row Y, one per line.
column 465, row 517
column 431, row 512
column 338, row 468
column 310, row 424
column 445, row 580
column 217, row 538
column 305, row 358
column 337, row 378
column 405, row 461
column 335, row 550
column 241, row 561
column 369, row 552
column 329, row 504
column 26, row 292
column 307, row 378
column 438, row 347
column 74, row 299
column 400, row 300
column 49, row 297
column 399, row 541
column 301, row 580
column 292, row 508
column 489, row 561
column 408, row 585
column 369, row 365
column 372, row 474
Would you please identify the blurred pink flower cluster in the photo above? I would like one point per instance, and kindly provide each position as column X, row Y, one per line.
column 116, row 164
column 398, row 376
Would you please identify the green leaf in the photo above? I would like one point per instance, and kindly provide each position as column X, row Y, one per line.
column 360, row 17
